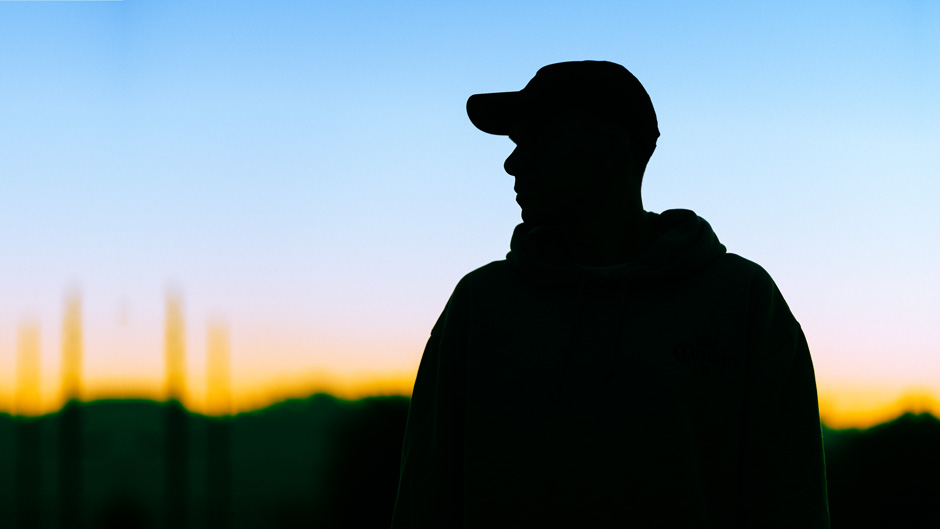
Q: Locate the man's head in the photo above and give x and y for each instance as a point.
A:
(581, 129)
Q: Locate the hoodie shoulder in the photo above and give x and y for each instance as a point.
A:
(486, 281)
(495, 272)
(764, 295)
(757, 277)
(735, 264)
(730, 268)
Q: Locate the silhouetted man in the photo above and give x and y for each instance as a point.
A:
(619, 368)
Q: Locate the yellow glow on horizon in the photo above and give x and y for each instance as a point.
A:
(218, 372)
(839, 408)
(250, 396)
(857, 406)
(28, 398)
(271, 367)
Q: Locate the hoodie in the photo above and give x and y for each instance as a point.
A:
(673, 390)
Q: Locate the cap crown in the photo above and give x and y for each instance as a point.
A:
(603, 89)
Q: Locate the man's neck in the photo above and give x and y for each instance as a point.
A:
(608, 237)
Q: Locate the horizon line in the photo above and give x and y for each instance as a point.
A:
(885, 419)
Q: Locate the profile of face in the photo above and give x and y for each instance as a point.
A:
(561, 164)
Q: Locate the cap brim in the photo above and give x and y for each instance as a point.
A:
(496, 113)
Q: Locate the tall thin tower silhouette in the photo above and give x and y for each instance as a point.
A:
(72, 348)
(177, 492)
(27, 438)
(70, 418)
(174, 347)
(218, 434)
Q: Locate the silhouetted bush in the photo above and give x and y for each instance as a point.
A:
(327, 462)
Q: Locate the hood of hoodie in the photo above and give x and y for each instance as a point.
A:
(684, 245)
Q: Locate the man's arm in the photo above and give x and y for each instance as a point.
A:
(783, 480)
(429, 487)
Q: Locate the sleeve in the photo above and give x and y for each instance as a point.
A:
(783, 460)
(430, 482)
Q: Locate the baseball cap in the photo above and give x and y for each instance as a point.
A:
(600, 88)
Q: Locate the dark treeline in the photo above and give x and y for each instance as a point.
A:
(327, 462)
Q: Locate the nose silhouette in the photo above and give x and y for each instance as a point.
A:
(511, 165)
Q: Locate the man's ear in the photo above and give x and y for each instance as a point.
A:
(620, 149)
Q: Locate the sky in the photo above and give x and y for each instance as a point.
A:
(304, 174)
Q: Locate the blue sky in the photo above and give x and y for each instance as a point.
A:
(307, 170)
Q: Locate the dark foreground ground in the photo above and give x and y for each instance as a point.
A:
(326, 462)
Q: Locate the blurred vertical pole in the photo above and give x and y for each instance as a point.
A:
(219, 440)
(177, 491)
(27, 408)
(70, 418)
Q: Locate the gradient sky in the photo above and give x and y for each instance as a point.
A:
(305, 172)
